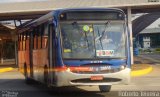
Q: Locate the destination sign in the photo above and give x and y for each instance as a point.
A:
(92, 15)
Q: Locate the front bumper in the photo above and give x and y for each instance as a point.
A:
(67, 78)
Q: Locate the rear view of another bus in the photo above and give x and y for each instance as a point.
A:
(94, 48)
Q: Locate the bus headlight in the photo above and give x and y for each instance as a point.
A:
(122, 67)
(68, 69)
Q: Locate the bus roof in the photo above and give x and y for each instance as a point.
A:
(88, 9)
(56, 13)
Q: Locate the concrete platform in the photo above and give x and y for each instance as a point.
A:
(140, 69)
(6, 69)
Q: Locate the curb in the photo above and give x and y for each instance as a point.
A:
(141, 72)
(5, 69)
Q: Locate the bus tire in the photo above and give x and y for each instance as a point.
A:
(104, 88)
(45, 74)
(27, 79)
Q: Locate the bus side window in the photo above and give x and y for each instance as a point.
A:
(38, 37)
(24, 42)
(19, 42)
(45, 37)
(27, 40)
(40, 31)
(35, 31)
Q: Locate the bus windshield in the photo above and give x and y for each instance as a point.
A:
(93, 40)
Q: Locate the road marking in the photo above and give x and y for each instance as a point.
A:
(5, 69)
(141, 72)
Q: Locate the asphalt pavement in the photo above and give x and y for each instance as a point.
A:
(148, 58)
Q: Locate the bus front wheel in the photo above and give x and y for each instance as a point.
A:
(104, 88)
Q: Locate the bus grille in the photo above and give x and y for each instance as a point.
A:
(114, 70)
(87, 80)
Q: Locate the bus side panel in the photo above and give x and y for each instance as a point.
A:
(43, 63)
(27, 59)
(40, 59)
(35, 67)
(21, 61)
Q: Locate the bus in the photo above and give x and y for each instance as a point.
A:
(76, 47)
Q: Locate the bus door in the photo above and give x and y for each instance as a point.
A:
(52, 52)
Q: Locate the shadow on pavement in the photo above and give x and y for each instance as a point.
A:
(141, 60)
(68, 91)
(19, 87)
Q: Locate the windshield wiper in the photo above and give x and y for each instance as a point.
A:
(86, 39)
(100, 36)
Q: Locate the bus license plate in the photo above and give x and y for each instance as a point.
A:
(96, 77)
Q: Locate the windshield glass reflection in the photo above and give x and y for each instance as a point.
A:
(93, 40)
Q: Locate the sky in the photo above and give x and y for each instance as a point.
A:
(8, 1)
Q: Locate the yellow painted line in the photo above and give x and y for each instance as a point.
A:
(141, 72)
(5, 69)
